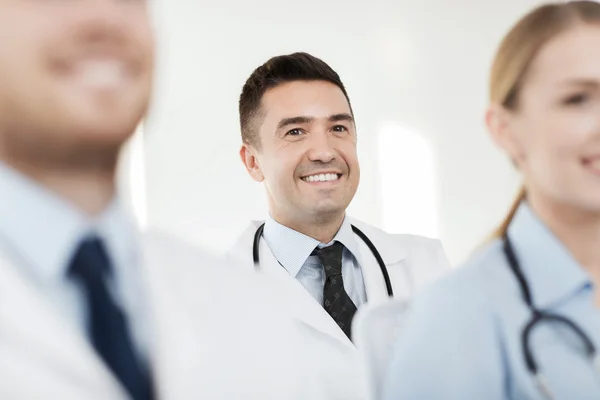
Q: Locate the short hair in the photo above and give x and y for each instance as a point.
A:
(276, 71)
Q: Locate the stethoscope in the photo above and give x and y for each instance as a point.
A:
(358, 232)
(537, 317)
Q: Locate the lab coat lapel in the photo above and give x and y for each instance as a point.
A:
(42, 339)
(393, 257)
(300, 303)
(299, 300)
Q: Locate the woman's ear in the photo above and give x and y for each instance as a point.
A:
(501, 124)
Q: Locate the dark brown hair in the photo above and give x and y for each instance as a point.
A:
(276, 71)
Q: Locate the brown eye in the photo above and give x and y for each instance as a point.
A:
(294, 132)
(339, 128)
(577, 99)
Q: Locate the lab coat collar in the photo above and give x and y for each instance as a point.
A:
(551, 271)
(385, 243)
(292, 248)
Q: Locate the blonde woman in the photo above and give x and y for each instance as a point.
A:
(521, 319)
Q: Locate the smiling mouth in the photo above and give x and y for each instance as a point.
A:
(329, 177)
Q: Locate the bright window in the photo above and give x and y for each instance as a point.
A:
(135, 177)
(408, 182)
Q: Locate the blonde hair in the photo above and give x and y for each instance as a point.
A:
(517, 51)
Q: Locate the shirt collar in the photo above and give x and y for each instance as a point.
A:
(551, 271)
(292, 248)
(43, 231)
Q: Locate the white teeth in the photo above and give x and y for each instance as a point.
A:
(321, 178)
(101, 74)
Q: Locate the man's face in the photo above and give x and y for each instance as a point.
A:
(307, 154)
(72, 74)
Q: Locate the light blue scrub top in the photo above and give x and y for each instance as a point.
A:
(463, 337)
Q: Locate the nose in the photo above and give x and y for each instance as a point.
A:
(101, 20)
(321, 148)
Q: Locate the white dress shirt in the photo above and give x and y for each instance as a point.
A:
(41, 232)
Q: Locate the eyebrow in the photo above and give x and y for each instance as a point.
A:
(341, 117)
(294, 121)
(590, 83)
(307, 120)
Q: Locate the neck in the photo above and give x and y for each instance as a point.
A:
(577, 229)
(322, 229)
(90, 187)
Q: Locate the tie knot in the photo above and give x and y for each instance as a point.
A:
(331, 258)
(90, 262)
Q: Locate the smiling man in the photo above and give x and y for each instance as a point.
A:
(299, 139)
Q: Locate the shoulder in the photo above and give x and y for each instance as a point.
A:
(414, 243)
(197, 270)
(157, 244)
(462, 303)
(469, 283)
(196, 266)
(422, 258)
(242, 246)
(451, 322)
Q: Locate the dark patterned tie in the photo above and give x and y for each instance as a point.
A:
(335, 299)
(108, 329)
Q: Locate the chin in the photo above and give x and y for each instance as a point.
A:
(114, 120)
(104, 128)
(579, 199)
(328, 209)
(590, 204)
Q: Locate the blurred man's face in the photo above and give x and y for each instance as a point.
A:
(74, 75)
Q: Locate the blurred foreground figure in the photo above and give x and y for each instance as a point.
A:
(521, 319)
(90, 308)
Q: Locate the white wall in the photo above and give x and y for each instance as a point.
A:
(418, 65)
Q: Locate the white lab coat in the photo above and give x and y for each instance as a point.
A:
(213, 337)
(412, 261)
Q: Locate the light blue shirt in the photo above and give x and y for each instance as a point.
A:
(41, 233)
(463, 334)
(292, 250)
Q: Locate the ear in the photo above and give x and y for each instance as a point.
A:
(501, 124)
(247, 154)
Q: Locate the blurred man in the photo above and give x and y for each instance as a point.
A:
(90, 309)
(299, 139)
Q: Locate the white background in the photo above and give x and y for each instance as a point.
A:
(416, 73)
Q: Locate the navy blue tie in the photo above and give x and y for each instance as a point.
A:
(108, 330)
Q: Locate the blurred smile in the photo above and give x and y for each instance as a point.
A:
(104, 73)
